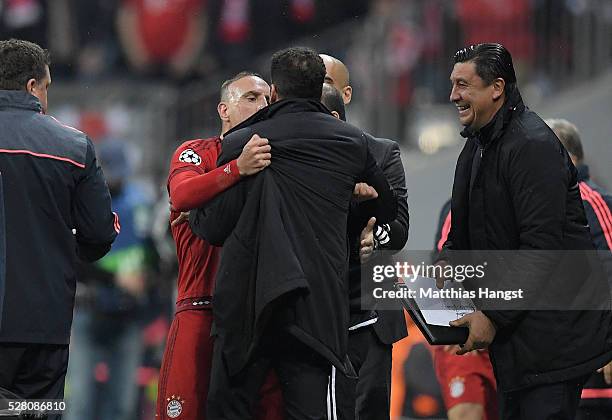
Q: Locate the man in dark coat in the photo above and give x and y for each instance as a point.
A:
(57, 207)
(515, 188)
(372, 332)
(281, 288)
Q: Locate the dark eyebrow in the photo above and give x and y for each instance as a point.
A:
(329, 79)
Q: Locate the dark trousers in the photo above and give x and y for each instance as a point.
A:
(368, 396)
(557, 401)
(34, 371)
(302, 373)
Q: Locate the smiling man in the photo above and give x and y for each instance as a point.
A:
(515, 189)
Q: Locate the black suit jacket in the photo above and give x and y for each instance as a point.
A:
(284, 231)
(391, 324)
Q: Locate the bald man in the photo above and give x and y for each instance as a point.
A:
(337, 75)
(372, 332)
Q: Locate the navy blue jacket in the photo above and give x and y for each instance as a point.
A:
(57, 207)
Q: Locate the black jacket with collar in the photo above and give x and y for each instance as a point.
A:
(284, 231)
(52, 184)
(515, 188)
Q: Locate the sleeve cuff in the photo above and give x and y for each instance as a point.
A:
(232, 169)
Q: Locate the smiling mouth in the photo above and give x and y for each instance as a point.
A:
(462, 108)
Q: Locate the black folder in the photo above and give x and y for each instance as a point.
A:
(435, 334)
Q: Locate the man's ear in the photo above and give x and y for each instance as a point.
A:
(31, 85)
(273, 94)
(347, 94)
(223, 111)
(335, 114)
(498, 88)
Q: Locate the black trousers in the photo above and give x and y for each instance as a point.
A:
(302, 373)
(557, 401)
(34, 371)
(368, 396)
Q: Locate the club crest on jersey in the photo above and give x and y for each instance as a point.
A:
(457, 386)
(175, 406)
(189, 156)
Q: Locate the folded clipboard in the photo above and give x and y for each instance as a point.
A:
(435, 334)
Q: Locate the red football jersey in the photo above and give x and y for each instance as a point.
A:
(194, 179)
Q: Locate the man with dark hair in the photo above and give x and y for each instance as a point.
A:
(280, 297)
(332, 99)
(194, 179)
(57, 208)
(371, 332)
(515, 189)
(297, 74)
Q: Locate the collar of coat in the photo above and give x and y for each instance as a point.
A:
(19, 99)
(284, 106)
(495, 128)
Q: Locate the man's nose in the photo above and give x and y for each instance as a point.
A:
(454, 96)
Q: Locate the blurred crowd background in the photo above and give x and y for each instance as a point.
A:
(141, 76)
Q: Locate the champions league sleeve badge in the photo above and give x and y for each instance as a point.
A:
(189, 156)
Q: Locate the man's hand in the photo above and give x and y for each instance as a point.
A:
(183, 217)
(607, 373)
(364, 192)
(482, 331)
(442, 278)
(255, 156)
(366, 244)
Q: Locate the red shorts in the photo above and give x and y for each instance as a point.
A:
(467, 379)
(185, 372)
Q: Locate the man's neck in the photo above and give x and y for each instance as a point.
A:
(224, 129)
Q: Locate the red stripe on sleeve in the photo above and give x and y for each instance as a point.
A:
(445, 231)
(602, 212)
(116, 224)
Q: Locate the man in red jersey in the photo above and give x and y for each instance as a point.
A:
(193, 180)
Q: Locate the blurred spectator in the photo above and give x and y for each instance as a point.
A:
(106, 342)
(505, 22)
(24, 19)
(96, 38)
(162, 37)
(389, 45)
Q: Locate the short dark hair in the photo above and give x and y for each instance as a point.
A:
(569, 136)
(242, 74)
(332, 99)
(21, 61)
(297, 72)
(491, 61)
